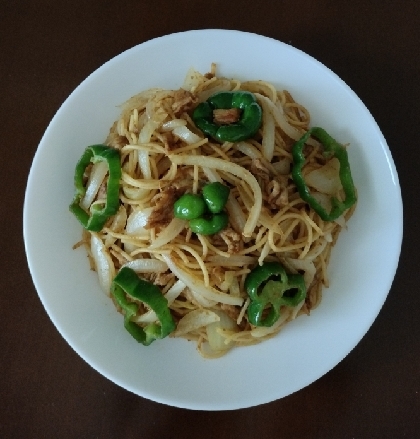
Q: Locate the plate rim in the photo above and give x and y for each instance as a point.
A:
(26, 230)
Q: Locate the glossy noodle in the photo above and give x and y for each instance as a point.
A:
(163, 156)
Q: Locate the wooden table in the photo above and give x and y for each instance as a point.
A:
(47, 48)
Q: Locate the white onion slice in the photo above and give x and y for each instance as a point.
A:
(341, 221)
(248, 149)
(174, 228)
(212, 175)
(96, 177)
(186, 135)
(103, 263)
(236, 215)
(147, 266)
(173, 123)
(323, 199)
(325, 179)
(202, 301)
(216, 341)
(144, 164)
(193, 78)
(280, 119)
(118, 224)
(137, 221)
(194, 320)
(177, 288)
(198, 287)
(150, 126)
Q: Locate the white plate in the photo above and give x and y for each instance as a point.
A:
(171, 371)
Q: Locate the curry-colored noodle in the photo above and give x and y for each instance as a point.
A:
(164, 155)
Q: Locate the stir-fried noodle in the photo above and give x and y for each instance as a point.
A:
(163, 156)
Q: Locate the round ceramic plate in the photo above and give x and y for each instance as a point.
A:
(171, 371)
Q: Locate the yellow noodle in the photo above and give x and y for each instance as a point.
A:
(262, 232)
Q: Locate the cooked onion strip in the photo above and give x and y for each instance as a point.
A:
(103, 263)
(163, 156)
(194, 320)
(280, 119)
(199, 287)
(175, 227)
(147, 266)
(96, 177)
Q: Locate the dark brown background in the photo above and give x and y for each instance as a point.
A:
(47, 48)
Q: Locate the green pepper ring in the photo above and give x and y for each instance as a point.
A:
(264, 291)
(245, 128)
(331, 149)
(126, 282)
(99, 216)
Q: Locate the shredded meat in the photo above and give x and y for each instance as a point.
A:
(226, 116)
(232, 240)
(182, 183)
(183, 101)
(219, 274)
(231, 310)
(277, 195)
(102, 191)
(168, 140)
(162, 279)
(259, 170)
(87, 172)
(162, 213)
(114, 139)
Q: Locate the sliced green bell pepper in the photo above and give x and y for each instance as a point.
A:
(245, 128)
(127, 283)
(98, 215)
(269, 287)
(331, 149)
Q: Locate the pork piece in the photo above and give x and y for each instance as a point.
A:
(162, 213)
(278, 195)
(226, 116)
(259, 170)
(219, 274)
(102, 191)
(232, 239)
(162, 279)
(114, 139)
(168, 140)
(231, 310)
(183, 101)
